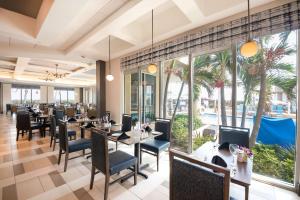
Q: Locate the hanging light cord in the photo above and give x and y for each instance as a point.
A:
(152, 40)
(109, 55)
(249, 29)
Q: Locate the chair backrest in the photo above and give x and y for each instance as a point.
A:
(8, 107)
(53, 126)
(126, 123)
(91, 113)
(100, 155)
(23, 120)
(63, 135)
(14, 108)
(70, 112)
(234, 135)
(59, 115)
(193, 179)
(164, 126)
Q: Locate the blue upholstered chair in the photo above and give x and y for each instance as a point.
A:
(160, 142)
(109, 163)
(126, 126)
(234, 135)
(193, 179)
(55, 133)
(59, 115)
(67, 146)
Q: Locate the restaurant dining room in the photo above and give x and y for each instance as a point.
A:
(149, 99)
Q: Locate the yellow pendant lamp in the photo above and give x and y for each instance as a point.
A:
(152, 68)
(109, 77)
(251, 47)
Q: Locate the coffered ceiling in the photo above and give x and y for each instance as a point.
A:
(35, 35)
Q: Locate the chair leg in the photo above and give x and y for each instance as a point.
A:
(116, 145)
(30, 135)
(18, 131)
(135, 174)
(51, 140)
(106, 186)
(54, 144)
(157, 157)
(83, 152)
(59, 156)
(66, 161)
(92, 177)
(141, 155)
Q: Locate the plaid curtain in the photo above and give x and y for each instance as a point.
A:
(275, 20)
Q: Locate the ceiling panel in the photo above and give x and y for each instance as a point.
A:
(29, 8)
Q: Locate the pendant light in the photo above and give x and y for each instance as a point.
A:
(152, 68)
(251, 47)
(109, 77)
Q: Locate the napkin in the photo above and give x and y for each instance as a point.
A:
(218, 161)
(224, 146)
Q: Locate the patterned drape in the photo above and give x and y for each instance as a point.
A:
(275, 20)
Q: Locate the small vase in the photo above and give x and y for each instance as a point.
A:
(242, 156)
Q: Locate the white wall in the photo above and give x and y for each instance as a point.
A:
(114, 91)
(6, 95)
(51, 94)
(77, 94)
(44, 94)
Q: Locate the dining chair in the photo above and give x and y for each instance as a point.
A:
(8, 108)
(24, 124)
(234, 135)
(193, 179)
(109, 163)
(159, 143)
(91, 113)
(59, 115)
(67, 147)
(55, 133)
(126, 126)
(70, 112)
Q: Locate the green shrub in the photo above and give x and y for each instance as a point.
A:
(274, 161)
(199, 141)
(180, 130)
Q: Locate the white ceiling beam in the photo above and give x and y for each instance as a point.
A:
(14, 25)
(130, 12)
(127, 38)
(40, 68)
(55, 17)
(4, 62)
(37, 52)
(20, 66)
(190, 9)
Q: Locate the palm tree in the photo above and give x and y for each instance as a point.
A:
(268, 62)
(203, 78)
(222, 62)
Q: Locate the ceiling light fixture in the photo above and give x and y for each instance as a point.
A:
(109, 76)
(251, 47)
(50, 76)
(152, 68)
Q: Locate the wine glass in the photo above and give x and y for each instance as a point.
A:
(233, 148)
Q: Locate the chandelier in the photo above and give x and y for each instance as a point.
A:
(50, 76)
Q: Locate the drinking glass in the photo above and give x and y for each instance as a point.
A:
(233, 148)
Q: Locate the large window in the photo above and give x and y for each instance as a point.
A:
(64, 95)
(265, 101)
(228, 89)
(25, 94)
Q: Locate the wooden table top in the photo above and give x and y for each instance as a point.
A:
(244, 170)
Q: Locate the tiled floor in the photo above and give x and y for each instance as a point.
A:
(29, 170)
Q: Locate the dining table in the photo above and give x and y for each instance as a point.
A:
(135, 137)
(242, 173)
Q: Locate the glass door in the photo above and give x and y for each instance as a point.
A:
(149, 96)
(131, 92)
